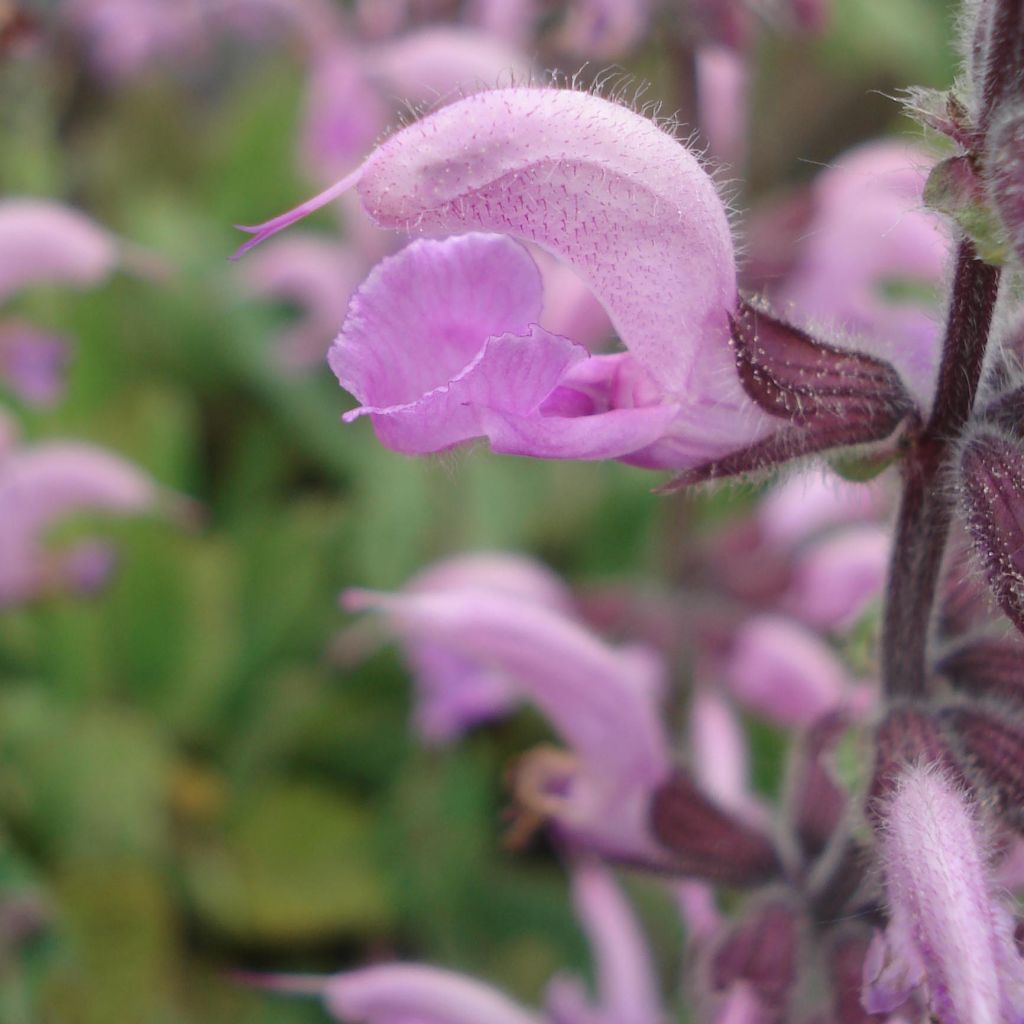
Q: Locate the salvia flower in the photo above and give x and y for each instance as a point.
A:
(875, 259)
(602, 701)
(42, 484)
(784, 671)
(606, 190)
(455, 691)
(315, 274)
(950, 936)
(44, 242)
(396, 993)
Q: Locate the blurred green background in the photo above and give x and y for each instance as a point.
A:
(188, 785)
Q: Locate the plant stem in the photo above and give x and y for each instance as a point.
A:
(926, 504)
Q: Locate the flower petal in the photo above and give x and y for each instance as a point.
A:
(785, 672)
(590, 694)
(836, 578)
(620, 200)
(424, 314)
(43, 241)
(625, 976)
(406, 993)
(39, 485)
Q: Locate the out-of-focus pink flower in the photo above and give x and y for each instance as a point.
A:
(875, 259)
(722, 79)
(32, 362)
(317, 275)
(44, 483)
(124, 37)
(626, 206)
(604, 29)
(783, 671)
(950, 937)
(402, 993)
(455, 691)
(718, 755)
(602, 701)
(354, 93)
(835, 579)
(43, 241)
(627, 990)
(837, 551)
(510, 20)
(808, 504)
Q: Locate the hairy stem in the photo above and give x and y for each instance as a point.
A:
(926, 504)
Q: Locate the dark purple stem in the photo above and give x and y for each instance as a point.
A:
(1005, 43)
(926, 505)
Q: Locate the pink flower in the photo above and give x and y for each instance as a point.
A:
(45, 483)
(786, 673)
(401, 993)
(622, 203)
(42, 241)
(32, 362)
(950, 937)
(317, 275)
(875, 260)
(354, 92)
(494, 628)
(455, 691)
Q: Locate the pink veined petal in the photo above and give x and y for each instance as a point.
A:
(423, 316)
(441, 345)
(785, 672)
(949, 923)
(507, 381)
(835, 579)
(625, 977)
(621, 201)
(43, 241)
(415, 994)
(582, 685)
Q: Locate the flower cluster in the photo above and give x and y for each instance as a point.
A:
(873, 891)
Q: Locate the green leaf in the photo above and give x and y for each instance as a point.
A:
(294, 863)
